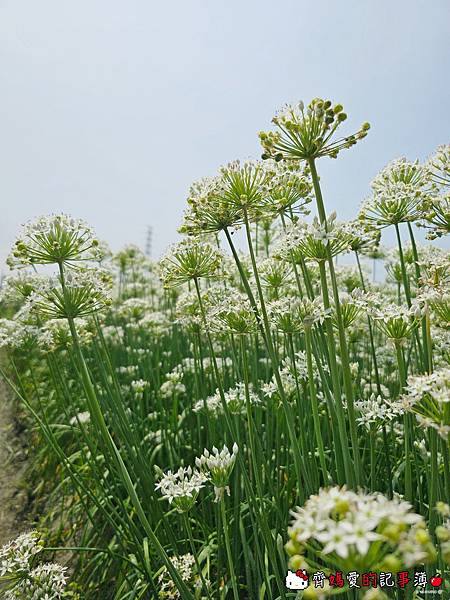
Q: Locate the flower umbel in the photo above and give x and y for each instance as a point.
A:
(218, 464)
(80, 293)
(54, 240)
(347, 527)
(182, 487)
(307, 133)
(190, 260)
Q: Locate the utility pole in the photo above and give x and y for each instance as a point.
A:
(148, 244)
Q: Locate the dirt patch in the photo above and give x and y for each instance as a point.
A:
(13, 496)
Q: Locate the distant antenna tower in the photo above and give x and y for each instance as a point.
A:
(148, 243)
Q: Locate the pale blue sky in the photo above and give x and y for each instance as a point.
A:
(110, 109)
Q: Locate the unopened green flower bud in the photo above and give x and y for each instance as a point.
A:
(310, 593)
(293, 547)
(431, 554)
(391, 563)
(375, 594)
(341, 117)
(442, 533)
(442, 507)
(422, 536)
(298, 562)
(342, 506)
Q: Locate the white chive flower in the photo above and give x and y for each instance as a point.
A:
(347, 528)
(54, 239)
(16, 556)
(182, 487)
(218, 465)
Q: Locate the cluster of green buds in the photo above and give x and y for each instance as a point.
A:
(245, 185)
(208, 209)
(439, 166)
(428, 396)
(441, 308)
(351, 308)
(234, 314)
(307, 132)
(400, 191)
(274, 274)
(289, 190)
(365, 240)
(130, 257)
(19, 286)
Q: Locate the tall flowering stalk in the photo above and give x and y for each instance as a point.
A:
(308, 134)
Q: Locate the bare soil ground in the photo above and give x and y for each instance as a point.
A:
(13, 495)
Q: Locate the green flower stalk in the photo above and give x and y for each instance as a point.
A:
(218, 466)
(308, 135)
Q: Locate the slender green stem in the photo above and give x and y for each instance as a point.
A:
(427, 351)
(348, 386)
(348, 468)
(406, 424)
(372, 441)
(434, 476)
(403, 266)
(315, 406)
(228, 549)
(187, 526)
(250, 422)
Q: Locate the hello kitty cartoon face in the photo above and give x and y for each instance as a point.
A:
(297, 580)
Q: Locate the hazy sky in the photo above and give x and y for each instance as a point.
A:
(110, 109)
